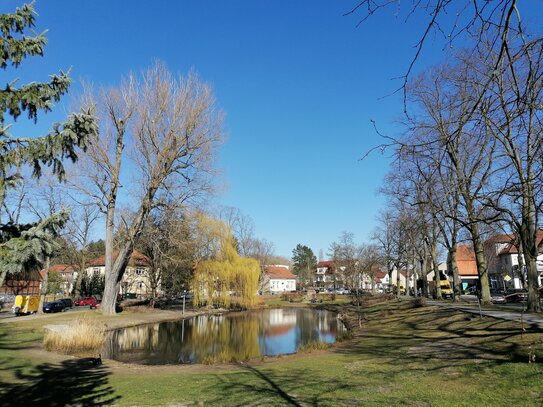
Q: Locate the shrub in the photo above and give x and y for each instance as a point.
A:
(292, 297)
(313, 346)
(418, 302)
(79, 336)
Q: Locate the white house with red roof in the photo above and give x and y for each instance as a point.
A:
(68, 276)
(278, 279)
(504, 267)
(136, 279)
(382, 281)
(327, 275)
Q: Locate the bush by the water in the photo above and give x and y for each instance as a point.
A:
(81, 335)
(292, 297)
(312, 346)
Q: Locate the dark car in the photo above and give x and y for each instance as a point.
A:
(68, 303)
(55, 306)
(518, 295)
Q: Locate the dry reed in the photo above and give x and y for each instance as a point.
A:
(80, 335)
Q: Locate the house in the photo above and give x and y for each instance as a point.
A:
(278, 279)
(68, 277)
(382, 281)
(327, 275)
(504, 261)
(467, 266)
(408, 278)
(30, 282)
(137, 279)
(26, 282)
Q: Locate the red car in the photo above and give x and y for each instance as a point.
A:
(86, 301)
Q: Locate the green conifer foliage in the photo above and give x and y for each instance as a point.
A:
(24, 247)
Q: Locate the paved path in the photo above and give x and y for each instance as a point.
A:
(510, 315)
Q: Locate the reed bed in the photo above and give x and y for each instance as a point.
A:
(80, 335)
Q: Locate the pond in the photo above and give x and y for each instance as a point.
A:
(223, 338)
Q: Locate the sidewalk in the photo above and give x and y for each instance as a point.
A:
(509, 315)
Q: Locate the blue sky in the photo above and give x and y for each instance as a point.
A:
(298, 81)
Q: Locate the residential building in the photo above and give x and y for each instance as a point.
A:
(68, 277)
(504, 262)
(327, 275)
(382, 281)
(278, 279)
(136, 281)
(467, 266)
(408, 278)
(26, 282)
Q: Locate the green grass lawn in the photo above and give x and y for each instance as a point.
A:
(398, 356)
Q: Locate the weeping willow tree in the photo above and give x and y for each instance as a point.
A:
(221, 272)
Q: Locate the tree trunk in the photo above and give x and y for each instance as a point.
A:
(398, 282)
(482, 269)
(435, 266)
(520, 271)
(530, 252)
(456, 277)
(437, 280)
(3, 277)
(43, 291)
(110, 282)
(533, 291)
(424, 274)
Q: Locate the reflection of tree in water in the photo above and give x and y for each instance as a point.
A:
(221, 338)
(307, 327)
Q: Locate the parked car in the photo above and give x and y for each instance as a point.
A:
(55, 306)
(68, 303)
(95, 304)
(497, 297)
(518, 295)
(85, 301)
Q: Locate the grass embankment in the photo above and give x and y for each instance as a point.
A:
(398, 355)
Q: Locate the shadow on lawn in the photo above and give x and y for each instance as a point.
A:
(298, 387)
(445, 336)
(73, 382)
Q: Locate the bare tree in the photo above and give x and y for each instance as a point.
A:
(242, 227)
(513, 114)
(169, 129)
(474, 21)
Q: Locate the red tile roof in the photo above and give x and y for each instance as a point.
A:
(279, 272)
(510, 248)
(465, 260)
(379, 275)
(63, 268)
(329, 264)
(137, 259)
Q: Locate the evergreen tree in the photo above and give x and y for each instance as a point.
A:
(26, 246)
(304, 262)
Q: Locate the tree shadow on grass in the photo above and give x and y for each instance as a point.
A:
(445, 336)
(298, 387)
(72, 382)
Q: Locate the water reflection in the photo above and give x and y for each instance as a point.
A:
(223, 338)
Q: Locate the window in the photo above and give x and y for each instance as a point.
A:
(140, 271)
(96, 270)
